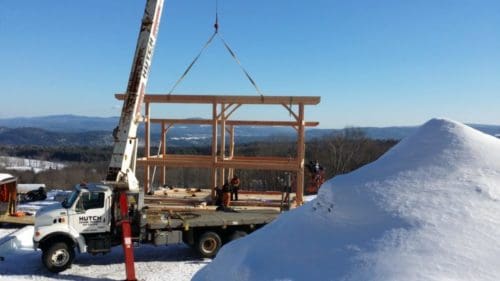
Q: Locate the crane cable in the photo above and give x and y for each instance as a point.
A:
(231, 52)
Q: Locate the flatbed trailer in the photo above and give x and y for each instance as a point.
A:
(197, 218)
(204, 230)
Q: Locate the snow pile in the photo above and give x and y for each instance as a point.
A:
(426, 210)
(16, 240)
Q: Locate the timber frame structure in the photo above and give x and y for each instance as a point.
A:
(222, 162)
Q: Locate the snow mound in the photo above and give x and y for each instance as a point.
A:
(428, 209)
(19, 239)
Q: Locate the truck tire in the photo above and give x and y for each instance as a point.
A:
(209, 244)
(237, 234)
(58, 257)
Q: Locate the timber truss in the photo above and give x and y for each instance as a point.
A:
(222, 162)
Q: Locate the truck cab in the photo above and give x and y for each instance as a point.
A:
(82, 221)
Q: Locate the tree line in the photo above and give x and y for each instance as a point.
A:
(337, 153)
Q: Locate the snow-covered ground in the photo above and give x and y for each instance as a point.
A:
(23, 164)
(428, 209)
(21, 262)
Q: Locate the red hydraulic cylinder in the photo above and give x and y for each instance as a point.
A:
(128, 248)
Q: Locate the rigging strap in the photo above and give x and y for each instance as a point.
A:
(231, 52)
(192, 63)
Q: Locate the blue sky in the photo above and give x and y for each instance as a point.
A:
(374, 63)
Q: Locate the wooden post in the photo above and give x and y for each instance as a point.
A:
(163, 171)
(147, 174)
(231, 150)
(300, 156)
(222, 142)
(214, 150)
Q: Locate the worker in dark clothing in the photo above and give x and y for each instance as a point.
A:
(235, 186)
(226, 195)
(218, 196)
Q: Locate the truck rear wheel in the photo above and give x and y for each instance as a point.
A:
(209, 244)
(58, 257)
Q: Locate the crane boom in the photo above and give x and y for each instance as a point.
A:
(121, 169)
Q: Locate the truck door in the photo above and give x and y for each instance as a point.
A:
(91, 212)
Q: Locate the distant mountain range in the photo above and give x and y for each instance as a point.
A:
(59, 130)
(62, 123)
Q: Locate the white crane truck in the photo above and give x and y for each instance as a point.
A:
(87, 222)
(97, 217)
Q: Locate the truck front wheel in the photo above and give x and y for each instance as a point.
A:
(58, 257)
(209, 244)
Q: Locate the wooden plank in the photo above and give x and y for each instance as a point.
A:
(255, 203)
(168, 200)
(17, 220)
(241, 99)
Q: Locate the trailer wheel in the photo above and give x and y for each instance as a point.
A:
(237, 234)
(58, 257)
(209, 244)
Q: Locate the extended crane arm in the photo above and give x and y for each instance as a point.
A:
(121, 169)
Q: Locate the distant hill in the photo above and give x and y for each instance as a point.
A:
(62, 123)
(93, 131)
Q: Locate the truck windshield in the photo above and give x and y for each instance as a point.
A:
(68, 202)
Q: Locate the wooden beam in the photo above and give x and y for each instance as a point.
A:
(238, 162)
(183, 121)
(240, 99)
(224, 108)
(290, 110)
(233, 110)
(269, 123)
(233, 122)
